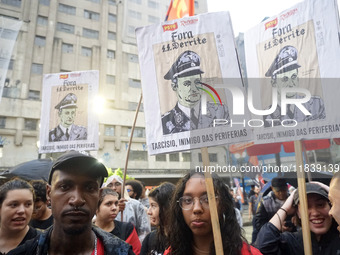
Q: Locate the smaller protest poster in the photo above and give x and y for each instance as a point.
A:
(68, 121)
(190, 73)
(9, 29)
(293, 64)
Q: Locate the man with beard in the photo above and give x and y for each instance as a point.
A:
(73, 190)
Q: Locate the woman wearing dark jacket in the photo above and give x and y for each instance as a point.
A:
(16, 208)
(325, 238)
(156, 242)
(105, 219)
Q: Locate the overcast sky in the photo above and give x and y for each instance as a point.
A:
(246, 14)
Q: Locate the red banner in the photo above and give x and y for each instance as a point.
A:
(180, 8)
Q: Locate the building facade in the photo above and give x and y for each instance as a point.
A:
(63, 36)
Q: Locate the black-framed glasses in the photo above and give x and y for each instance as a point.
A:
(187, 202)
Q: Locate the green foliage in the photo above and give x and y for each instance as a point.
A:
(118, 172)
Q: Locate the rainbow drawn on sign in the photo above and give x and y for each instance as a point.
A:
(209, 93)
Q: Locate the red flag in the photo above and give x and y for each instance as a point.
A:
(179, 9)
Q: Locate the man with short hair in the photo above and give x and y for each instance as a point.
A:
(74, 189)
(67, 130)
(284, 74)
(42, 217)
(271, 203)
(186, 81)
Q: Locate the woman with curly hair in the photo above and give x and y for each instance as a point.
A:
(156, 242)
(191, 228)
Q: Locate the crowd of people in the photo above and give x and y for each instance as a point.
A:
(76, 212)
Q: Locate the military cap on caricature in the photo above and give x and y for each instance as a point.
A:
(67, 130)
(285, 61)
(69, 101)
(187, 64)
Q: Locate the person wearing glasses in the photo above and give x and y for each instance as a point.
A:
(42, 215)
(16, 208)
(156, 242)
(133, 211)
(191, 228)
(134, 189)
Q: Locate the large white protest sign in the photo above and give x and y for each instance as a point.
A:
(68, 120)
(293, 64)
(188, 68)
(9, 29)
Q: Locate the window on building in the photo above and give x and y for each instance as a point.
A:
(2, 122)
(133, 58)
(138, 132)
(133, 106)
(42, 20)
(110, 79)
(67, 9)
(112, 2)
(161, 157)
(87, 52)
(94, 1)
(67, 48)
(37, 69)
(153, 4)
(40, 41)
(174, 157)
(109, 130)
(196, 5)
(136, 1)
(134, 83)
(111, 54)
(91, 15)
(89, 33)
(111, 35)
(65, 28)
(153, 19)
(186, 156)
(44, 2)
(30, 124)
(135, 14)
(112, 18)
(131, 30)
(138, 155)
(34, 95)
(212, 157)
(16, 3)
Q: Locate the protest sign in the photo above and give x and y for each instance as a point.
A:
(187, 68)
(293, 64)
(68, 121)
(9, 29)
